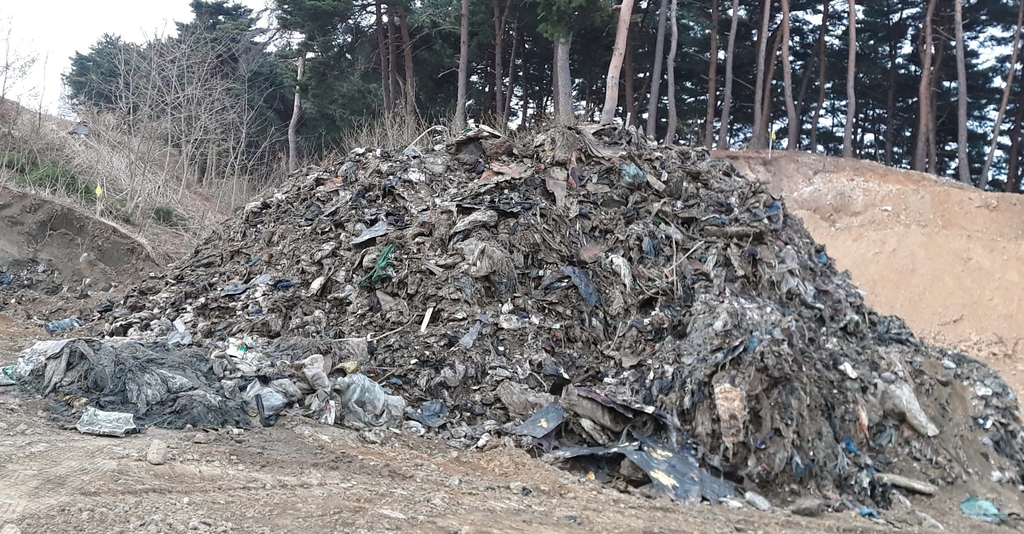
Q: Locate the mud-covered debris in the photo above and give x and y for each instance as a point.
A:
(757, 501)
(907, 483)
(62, 326)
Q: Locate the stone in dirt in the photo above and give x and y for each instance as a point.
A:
(157, 454)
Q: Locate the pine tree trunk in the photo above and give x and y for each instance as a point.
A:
(758, 140)
(963, 165)
(766, 100)
(924, 90)
(805, 82)
(516, 45)
(659, 54)
(723, 126)
(821, 75)
(709, 121)
(396, 84)
(385, 74)
(611, 88)
(933, 127)
(792, 124)
(890, 97)
(851, 74)
(1006, 98)
(670, 64)
(293, 124)
(500, 20)
(627, 71)
(1013, 172)
(460, 103)
(563, 95)
(410, 80)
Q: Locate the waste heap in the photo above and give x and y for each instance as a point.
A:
(625, 300)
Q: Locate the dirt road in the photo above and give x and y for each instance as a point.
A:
(302, 477)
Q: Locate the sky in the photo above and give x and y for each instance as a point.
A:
(53, 30)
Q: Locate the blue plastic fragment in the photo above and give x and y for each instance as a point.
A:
(632, 175)
(868, 512)
(849, 446)
(823, 258)
(982, 510)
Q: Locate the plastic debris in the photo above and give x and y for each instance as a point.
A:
(8, 376)
(363, 401)
(431, 413)
(102, 423)
(62, 326)
(982, 510)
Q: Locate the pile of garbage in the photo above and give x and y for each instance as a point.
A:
(640, 312)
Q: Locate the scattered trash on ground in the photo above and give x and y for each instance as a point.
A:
(642, 315)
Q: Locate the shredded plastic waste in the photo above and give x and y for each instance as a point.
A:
(584, 294)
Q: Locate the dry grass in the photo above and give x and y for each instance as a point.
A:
(144, 183)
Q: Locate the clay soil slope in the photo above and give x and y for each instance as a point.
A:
(947, 258)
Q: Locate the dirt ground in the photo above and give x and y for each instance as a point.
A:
(302, 477)
(947, 258)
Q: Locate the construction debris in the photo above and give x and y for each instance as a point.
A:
(642, 314)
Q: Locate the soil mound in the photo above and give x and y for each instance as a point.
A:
(945, 257)
(646, 313)
(50, 248)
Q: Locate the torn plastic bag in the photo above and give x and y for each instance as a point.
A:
(364, 401)
(102, 423)
(269, 401)
(372, 232)
(7, 376)
(582, 281)
(983, 510)
(36, 355)
(544, 422)
(432, 413)
(676, 473)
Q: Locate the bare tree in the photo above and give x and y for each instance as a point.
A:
(460, 103)
(709, 121)
(758, 140)
(670, 132)
(611, 88)
(792, 123)
(659, 54)
(1006, 97)
(963, 165)
(500, 23)
(851, 73)
(723, 127)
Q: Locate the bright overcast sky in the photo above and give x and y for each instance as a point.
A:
(55, 29)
